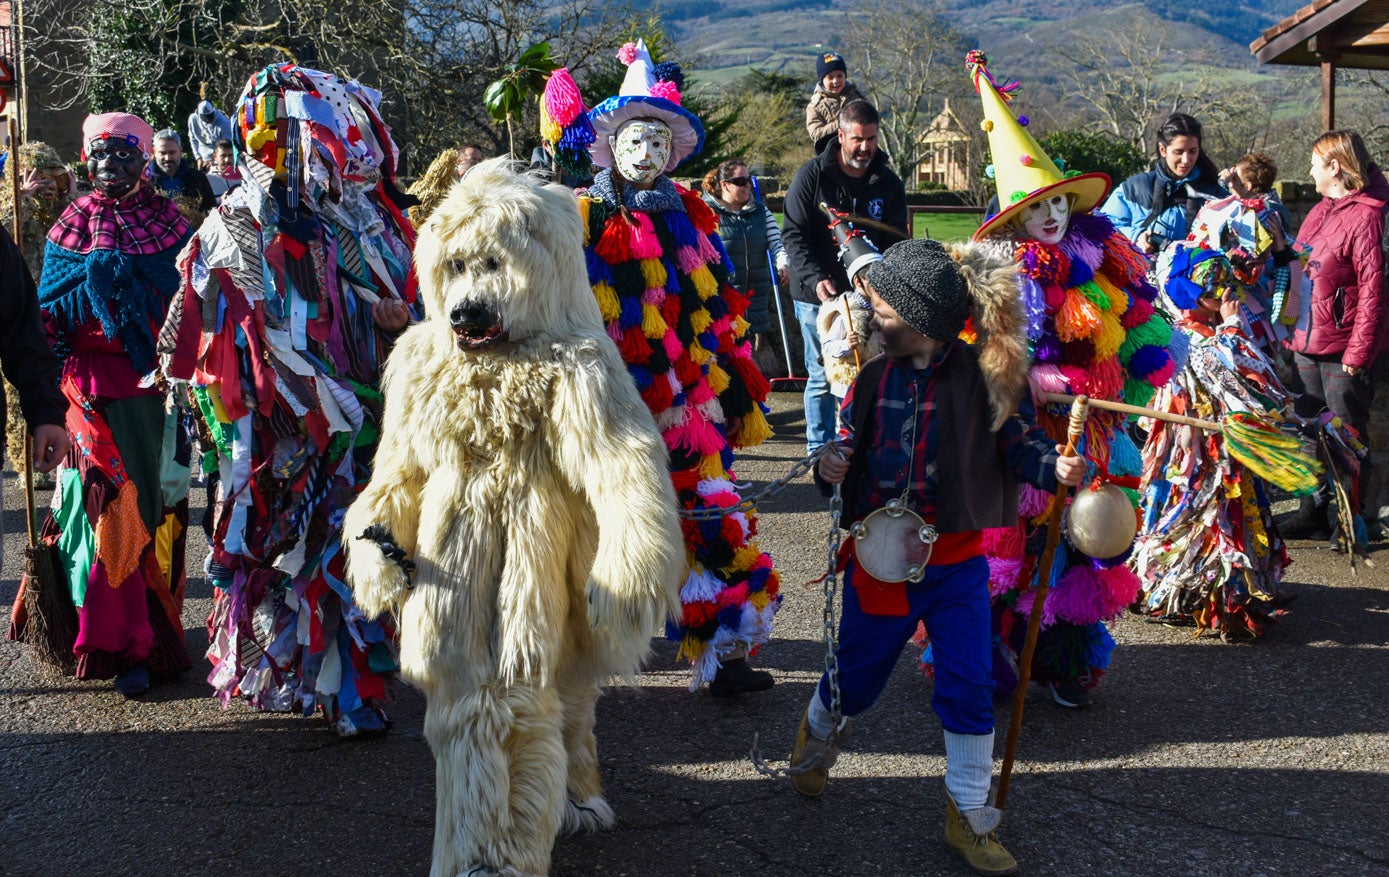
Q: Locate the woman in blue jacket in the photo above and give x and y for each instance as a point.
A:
(1157, 206)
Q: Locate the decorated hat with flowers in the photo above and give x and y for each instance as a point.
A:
(1022, 170)
(649, 91)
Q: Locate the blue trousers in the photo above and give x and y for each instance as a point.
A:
(820, 404)
(953, 600)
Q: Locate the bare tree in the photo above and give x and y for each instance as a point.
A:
(906, 57)
(431, 59)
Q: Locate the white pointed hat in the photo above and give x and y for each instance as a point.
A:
(648, 91)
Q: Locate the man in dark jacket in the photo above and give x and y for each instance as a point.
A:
(174, 176)
(851, 175)
(28, 362)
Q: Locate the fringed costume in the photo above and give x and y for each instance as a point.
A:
(1209, 550)
(660, 274)
(275, 333)
(121, 511)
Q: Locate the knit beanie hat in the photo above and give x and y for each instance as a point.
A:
(828, 63)
(924, 285)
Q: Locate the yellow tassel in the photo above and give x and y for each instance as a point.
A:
(704, 282)
(756, 429)
(653, 325)
(584, 205)
(691, 648)
(699, 354)
(718, 379)
(740, 327)
(700, 320)
(1109, 338)
(711, 468)
(744, 558)
(607, 301)
(1118, 300)
(759, 600)
(549, 128)
(1078, 317)
(653, 273)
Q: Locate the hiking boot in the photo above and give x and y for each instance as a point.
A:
(1070, 693)
(972, 835)
(736, 677)
(811, 783)
(1308, 522)
(133, 682)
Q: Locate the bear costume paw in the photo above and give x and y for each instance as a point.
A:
(377, 581)
(587, 816)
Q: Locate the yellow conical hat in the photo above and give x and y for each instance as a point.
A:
(1023, 172)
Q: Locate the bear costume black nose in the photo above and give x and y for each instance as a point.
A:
(466, 315)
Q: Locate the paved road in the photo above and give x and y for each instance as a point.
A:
(1197, 758)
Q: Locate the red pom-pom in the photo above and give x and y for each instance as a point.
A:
(614, 245)
(700, 213)
(658, 397)
(634, 347)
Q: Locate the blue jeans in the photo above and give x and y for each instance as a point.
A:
(953, 600)
(820, 403)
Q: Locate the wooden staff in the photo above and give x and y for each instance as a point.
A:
(1209, 425)
(849, 321)
(1076, 428)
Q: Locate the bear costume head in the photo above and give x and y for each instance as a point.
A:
(499, 238)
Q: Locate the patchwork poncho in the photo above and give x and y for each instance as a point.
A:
(659, 272)
(274, 331)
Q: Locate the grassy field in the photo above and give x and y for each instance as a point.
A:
(941, 226)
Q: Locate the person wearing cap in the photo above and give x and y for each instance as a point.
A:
(942, 428)
(171, 174)
(833, 92)
(661, 276)
(851, 175)
(207, 125)
(1093, 331)
(122, 513)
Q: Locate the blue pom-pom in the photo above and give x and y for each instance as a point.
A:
(1023, 120)
(1048, 348)
(1081, 273)
(641, 375)
(1147, 359)
(1124, 457)
(631, 311)
(669, 71)
(731, 617)
(1100, 648)
(682, 229)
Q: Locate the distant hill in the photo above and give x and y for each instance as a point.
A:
(730, 36)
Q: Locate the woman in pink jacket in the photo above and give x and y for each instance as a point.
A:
(1335, 346)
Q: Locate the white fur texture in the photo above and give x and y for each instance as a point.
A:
(528, 483)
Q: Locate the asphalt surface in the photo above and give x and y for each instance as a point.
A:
(1197, 757)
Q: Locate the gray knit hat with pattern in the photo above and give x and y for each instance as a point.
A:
(924, 285)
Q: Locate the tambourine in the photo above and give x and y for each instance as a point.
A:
(893, 544)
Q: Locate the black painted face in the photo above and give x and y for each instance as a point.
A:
(115, 166)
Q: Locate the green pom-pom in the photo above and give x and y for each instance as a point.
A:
(1138, 393)
(1155, 332)
(1017, 196)
(1069, 174)
(1091, 290)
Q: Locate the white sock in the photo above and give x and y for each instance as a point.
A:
(969, 767)
(818, 717)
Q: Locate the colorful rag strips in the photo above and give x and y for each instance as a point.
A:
(1209, 550)
(274, 332)
(661, 280)
(1094, 331)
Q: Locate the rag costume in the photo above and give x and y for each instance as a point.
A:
(273, 332)
(1209, 549)
(660, 274)
(121, 515)
(945, 441)
(1093, 331)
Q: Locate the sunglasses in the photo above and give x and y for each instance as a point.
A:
(739, 181)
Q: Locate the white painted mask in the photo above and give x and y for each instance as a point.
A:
(1046, 220)
(640, 150)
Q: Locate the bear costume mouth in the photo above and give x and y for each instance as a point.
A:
(475, 337)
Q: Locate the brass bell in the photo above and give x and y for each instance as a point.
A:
(1101, 522)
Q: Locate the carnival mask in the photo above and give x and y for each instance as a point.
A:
(114, 165)
(640, 150)
(1046, 220)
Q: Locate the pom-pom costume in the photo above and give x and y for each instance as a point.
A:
(122, 513)
(1093, 331)
(275, 334)
(660, 274)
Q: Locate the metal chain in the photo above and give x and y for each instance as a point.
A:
(831, 629)
(750, 503)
